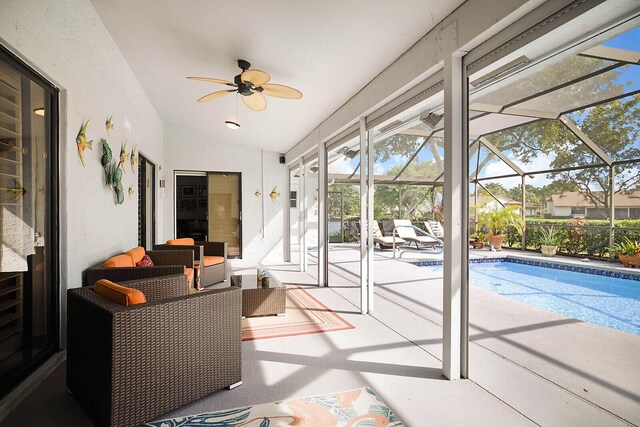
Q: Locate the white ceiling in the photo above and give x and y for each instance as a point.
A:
(327, 49)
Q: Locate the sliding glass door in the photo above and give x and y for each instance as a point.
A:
(28, 221)
(225, 210)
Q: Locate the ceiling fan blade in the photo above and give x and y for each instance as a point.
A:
(215, 95)
(281, 91)
(211, 80)
(255, 102)
(257, 77)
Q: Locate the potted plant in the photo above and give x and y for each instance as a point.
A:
(549, 241)
(628, 252)
(478, 240)
(497, 221)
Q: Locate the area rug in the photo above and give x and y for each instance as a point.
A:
(304, 315)
(353, 408)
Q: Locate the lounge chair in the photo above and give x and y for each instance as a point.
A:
(405, 230)
(385, 242)
(210, 259)
(434, 228)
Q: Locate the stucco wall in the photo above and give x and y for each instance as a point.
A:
(66, 41)
(186, 150)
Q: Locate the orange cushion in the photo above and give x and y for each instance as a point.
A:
(120, 294)
(189, 273)
(186, 241)
(121, 260)
(136, 254)
(213, 260)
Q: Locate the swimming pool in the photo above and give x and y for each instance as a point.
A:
(613, 302)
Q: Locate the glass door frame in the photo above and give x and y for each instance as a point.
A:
(239, 175)
(53, 131)
(183, 172)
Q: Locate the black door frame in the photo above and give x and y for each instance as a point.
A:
(142, 224)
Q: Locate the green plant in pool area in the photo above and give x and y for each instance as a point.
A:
(480, 236)
(549, 237)
(498, 220)
(627, 247)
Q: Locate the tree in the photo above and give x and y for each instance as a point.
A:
(407, 201)
(404, 146)
(349, 195)
(614, 126)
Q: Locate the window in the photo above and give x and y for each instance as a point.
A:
(622, 213)
(293, 199)
(28, 207)
(597, 213)
(634, 213)
(577, 211)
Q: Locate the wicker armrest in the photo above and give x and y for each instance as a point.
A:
(160, 288)
(172, 257)
(214, 248)
(119, 274)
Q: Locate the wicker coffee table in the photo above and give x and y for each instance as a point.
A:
(260, 301)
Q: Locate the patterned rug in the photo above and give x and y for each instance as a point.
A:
(353, 408)
(304, 315)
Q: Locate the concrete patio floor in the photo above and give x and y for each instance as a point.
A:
(553, 369)
(528, 366)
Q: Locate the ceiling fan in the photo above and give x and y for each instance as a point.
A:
(252, 85)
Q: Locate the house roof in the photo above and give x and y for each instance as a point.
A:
(485, 199)
(577, 199)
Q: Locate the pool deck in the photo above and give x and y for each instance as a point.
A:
(414, 255)
(553, 369)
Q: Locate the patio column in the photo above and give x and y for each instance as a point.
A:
(323, 220)
(370, 219)
(302, 245)
(524, 213)
(456, 189)
(612, 208)
(364, 196)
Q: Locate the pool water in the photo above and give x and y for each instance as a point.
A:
(602, 300)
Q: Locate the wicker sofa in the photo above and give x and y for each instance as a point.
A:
(165, 263)
(210, 258)
(131, 364)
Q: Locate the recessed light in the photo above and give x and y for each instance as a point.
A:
(232, 125)
(39, 112)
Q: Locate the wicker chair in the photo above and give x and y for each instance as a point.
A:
(207, 274)
(131, 364)
(166, 263)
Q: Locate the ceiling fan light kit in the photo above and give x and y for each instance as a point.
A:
(232, 125)
(252, 85)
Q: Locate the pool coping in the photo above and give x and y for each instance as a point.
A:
(556, 265)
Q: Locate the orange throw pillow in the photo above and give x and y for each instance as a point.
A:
(185, 241)
(121, 260)
(136, 254)
(120, 294)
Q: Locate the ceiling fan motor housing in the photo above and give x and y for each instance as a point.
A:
(246, 88)
(243, 88)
